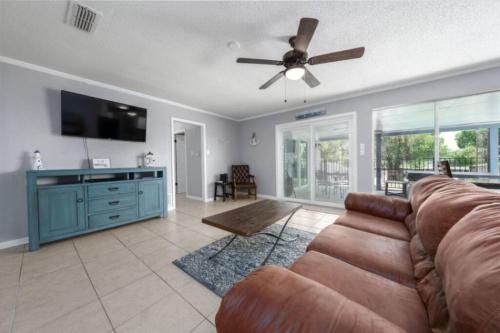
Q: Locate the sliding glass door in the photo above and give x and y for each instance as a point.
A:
(410, 140)
(314, 160)
(296, 151)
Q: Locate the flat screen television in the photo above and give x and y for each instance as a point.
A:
(92, 117)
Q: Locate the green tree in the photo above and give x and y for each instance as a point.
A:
(467, 138)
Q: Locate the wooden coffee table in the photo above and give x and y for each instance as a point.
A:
(250, 220)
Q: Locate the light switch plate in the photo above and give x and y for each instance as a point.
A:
(362, 149)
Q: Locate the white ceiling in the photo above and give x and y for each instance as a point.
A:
(178, 50)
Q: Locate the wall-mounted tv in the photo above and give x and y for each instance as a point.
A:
(92, 117)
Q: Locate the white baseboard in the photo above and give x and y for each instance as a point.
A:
(266, 196)
(194, 197)
(14, 242)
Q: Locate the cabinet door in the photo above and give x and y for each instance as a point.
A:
(150, 197)
(61, 211)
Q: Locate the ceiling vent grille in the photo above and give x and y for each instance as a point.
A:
(82, 17)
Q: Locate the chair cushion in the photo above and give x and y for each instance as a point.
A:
(468, 263)
(374, 224)
(382, 255)
(240, 173)
(248, 184)
(397, 303)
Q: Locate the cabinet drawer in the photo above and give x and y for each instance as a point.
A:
(117, 216)
(112, 202)
(110, 189)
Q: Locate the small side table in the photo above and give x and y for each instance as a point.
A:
(223, 186)
(396, 188)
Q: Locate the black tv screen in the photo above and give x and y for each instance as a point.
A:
(92, 117)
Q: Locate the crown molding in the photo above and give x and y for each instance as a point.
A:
(64, 75)
(386, 87)
(359, 93)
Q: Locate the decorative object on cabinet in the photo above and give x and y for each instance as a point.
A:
(101, 163)
(37, 163)
(149, 160)
(67, 203)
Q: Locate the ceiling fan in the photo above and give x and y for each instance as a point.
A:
(296, 59)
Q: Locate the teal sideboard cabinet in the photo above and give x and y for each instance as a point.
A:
(66, 203)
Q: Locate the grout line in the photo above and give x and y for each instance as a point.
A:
(93, 287)
(18, 292)
(164, 281)
(64, 313)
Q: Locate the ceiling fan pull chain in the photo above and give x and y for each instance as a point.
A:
(285, 90)
(305, 94)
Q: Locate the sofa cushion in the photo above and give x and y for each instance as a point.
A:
(468, 263)
(427, 186)
(273, 299)
(393, 208)
(382, 255)
(445, 208)
(374, 224)
(397, 303)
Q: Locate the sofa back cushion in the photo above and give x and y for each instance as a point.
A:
(445, 207)
(427, 186)
(420, 192)
(468, 264)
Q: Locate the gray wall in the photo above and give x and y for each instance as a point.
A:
(30, 119)
(262, 157)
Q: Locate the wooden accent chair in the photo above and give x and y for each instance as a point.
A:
(444, 168)
(242, 179)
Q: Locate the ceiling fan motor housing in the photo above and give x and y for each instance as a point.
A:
(294, 58)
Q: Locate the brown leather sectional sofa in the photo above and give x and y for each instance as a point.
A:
(431, 264)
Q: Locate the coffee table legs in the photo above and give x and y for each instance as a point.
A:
(278, 238)
(223, 248)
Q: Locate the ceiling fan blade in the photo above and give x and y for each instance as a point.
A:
(259, 61)
(337, 56)
(273, 79)
(307, 27)
(310, 79)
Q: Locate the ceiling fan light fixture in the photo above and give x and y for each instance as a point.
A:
(295, 72)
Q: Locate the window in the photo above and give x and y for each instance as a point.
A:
(409, 140)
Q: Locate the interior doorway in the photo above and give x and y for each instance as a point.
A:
(188, 161)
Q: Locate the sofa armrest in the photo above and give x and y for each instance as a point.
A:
(378, 205)
(274, 299)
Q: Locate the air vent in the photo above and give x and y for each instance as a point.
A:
(82, 17)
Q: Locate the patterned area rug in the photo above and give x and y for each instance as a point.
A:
(242, 257)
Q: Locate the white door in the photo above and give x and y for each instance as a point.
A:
(180, 163)
(316, 160)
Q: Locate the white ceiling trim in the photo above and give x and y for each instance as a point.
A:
(64, 75)
(386, 87)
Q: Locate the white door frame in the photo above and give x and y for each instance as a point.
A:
(353, 153)
(203, 156)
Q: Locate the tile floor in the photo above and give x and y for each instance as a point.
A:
(121, 280)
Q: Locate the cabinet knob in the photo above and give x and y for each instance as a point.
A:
(114, 217)
(140, 192)
(80, 200)
(113, 203)
(113, 189)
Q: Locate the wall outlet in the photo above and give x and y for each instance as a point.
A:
(362, 149)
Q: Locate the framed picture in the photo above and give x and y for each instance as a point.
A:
(101, 163)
